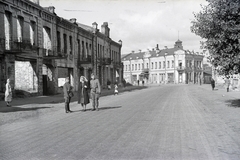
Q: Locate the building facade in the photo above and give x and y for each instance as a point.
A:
(169, 65)
(38, 49)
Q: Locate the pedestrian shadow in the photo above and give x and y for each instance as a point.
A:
(105, 108)
(100, 108)
(17, 109)
(233, 103)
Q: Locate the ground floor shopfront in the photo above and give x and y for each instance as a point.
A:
(164, 77)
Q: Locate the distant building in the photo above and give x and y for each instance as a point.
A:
(169, 65)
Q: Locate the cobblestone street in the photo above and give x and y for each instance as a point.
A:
(185, 122)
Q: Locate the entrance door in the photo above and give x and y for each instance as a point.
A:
(44, 77)
(180, 78)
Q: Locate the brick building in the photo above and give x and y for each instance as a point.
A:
(38, 49)
(168, 65)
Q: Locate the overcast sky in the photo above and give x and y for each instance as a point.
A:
(140, 24)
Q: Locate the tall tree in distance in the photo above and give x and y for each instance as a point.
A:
(219, 24)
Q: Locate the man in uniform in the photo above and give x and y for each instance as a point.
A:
(66, 89)
(95, 92)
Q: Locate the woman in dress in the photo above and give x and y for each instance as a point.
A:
(8, 93)
(83, 97)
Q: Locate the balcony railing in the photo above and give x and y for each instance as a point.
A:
(180, 68)
(86, 60)
(17, 46)
(106, 61)
(47, 52)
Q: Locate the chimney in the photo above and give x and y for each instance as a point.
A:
(51, 9)
(73, 20)
(132, 52)
(120, 42)
(166, 47)
(140, 50)
(104, 29)
(94, 26)
(157, 47)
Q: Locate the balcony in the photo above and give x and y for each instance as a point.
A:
(117, 64)
(145, 70)
(106, 61)
(51, 54)
(47, 52)
(180, 68)
(86, 60)
(14, 46)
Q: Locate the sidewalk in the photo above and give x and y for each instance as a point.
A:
(222, 91)
(59, 97)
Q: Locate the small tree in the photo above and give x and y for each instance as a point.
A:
(219, 24)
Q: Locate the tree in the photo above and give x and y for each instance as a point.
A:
(219, 24)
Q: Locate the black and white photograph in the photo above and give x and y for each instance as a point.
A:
(119, 79)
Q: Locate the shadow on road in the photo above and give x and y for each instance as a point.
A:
(100, 108)
(17, 109)
(104, 108)
(233, 103)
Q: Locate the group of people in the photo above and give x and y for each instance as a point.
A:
(83, 96)
(227, 82)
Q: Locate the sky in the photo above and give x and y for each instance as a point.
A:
(140, 24)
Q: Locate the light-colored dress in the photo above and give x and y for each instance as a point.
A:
(8, 93)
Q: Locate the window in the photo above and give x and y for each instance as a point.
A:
(8, 29)
(132, 67)
(152, 65)
(138, 66)
(164, 64)
(155, 65)
(142, 65)
(172, 63)
(135, 66)
(58, 42)
(32, 32)
(65, 43)
(159, 65)
(83, 49)
(20, 29)
(129, 67)
(79, 48)
(47, 44)
(71, 46)
(147, 65)
(168, 64)
(87, 49)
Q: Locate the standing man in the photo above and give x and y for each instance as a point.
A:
(67, 88)
(228, 82)
(95, 92)
(212, 83)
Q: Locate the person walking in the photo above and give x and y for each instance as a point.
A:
(228, 82)
(115, 89)
(212, 83)
(83, 97)
(109, 84)
(8, 93)
(68, 94)
(95, 92)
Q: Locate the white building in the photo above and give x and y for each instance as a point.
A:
(169, 65)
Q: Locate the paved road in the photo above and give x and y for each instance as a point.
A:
(185, 122)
